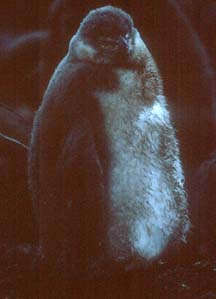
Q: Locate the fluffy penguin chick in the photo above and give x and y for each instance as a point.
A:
(104, 165)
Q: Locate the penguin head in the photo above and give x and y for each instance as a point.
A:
(107, 33)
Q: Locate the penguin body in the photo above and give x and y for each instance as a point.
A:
(104, 164)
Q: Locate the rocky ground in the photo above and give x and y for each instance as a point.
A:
(161, 280)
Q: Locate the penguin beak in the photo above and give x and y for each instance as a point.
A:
(123, 42)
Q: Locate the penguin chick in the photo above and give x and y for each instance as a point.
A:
(104, 165)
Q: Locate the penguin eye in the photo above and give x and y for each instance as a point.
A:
(104, 41)
(107, 39)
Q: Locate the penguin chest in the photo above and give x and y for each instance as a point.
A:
(139, 189)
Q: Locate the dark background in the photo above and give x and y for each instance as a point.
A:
(34, 36)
